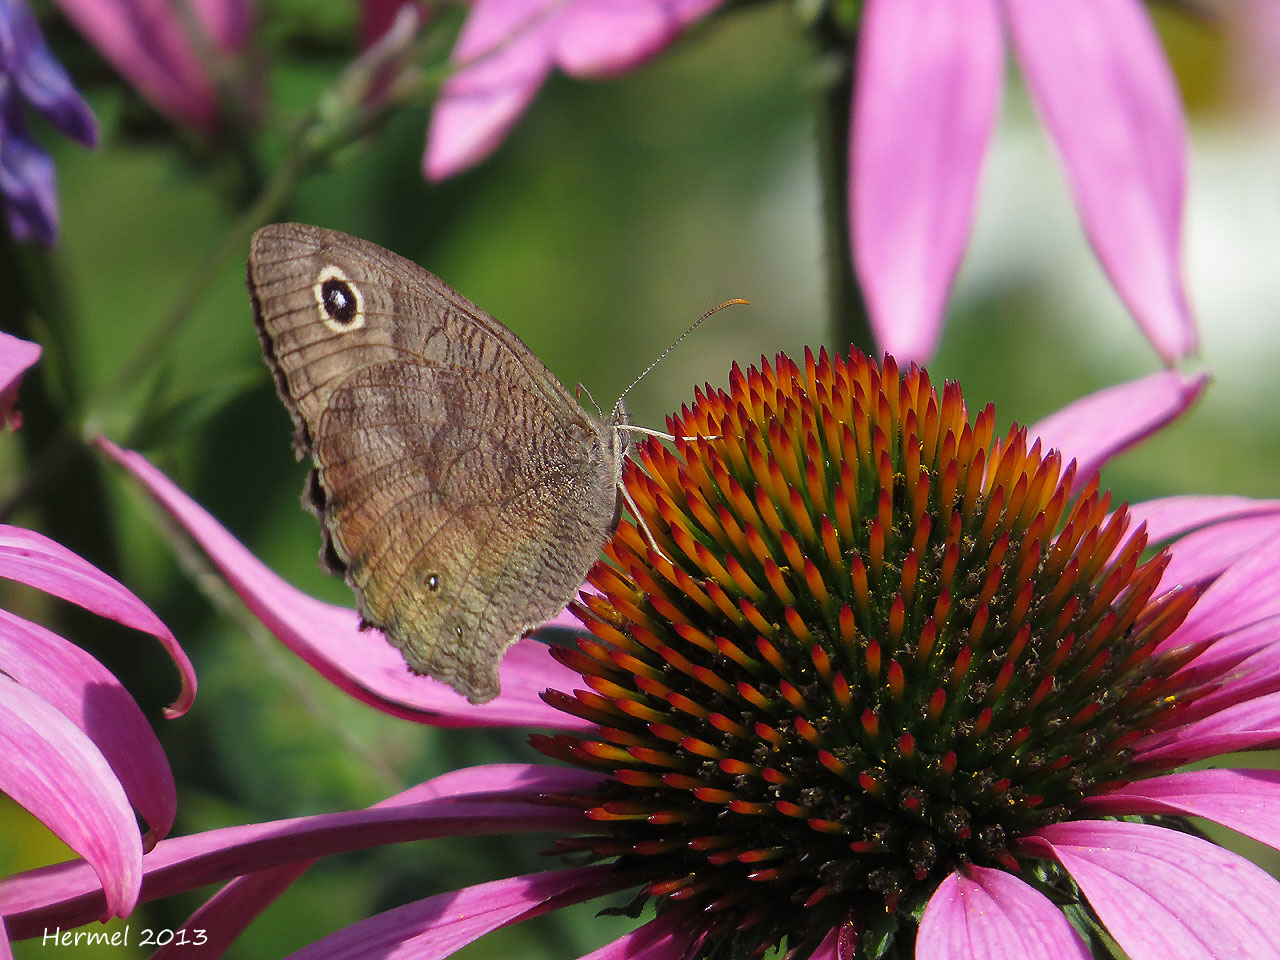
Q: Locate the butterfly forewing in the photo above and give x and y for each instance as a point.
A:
(464, 493)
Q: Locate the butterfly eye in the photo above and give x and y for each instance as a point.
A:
(340, 302)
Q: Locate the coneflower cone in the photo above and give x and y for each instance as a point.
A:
(856, 643)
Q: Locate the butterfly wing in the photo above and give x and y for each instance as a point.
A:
(462, 490)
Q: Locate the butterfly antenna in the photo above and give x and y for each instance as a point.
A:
(692, 327)
(577, 395)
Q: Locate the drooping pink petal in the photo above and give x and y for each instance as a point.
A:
(226, 914)
(146, 41)
(1247, 801)
(1208, 553)
(39, 562)
(672, 935)
(5, 952)
(1102, 425)
(55, 771)
(434, 928)
(598, 38)
(357, 661)
(1243, 665)
(1166, 895)
(1228, 662)
(928, 77)
(1170, 517)
(1246, 593)
(227, 23)
(68, 894)
(17, 356)
(983, 914)
(503, 55)
(602, 37)
(89, 696)
(511, 780)
(1100, 80)
(1252, 725)
(688, 11)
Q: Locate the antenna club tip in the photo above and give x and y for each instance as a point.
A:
(717, 308)
(697, 323)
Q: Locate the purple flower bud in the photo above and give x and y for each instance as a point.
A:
(30, 76)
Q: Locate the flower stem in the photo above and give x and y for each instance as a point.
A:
(61, 477)
(849, 323)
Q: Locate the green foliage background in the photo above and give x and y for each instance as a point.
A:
(613, 216)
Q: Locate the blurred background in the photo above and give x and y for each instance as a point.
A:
(614, 215)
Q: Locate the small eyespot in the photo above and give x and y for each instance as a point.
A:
(433, 582)
(458, 632)
(340, 302)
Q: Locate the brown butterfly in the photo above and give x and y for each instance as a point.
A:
(462, 491)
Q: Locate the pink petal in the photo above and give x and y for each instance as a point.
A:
(146, 41)
(1252, 725)
(1246, 593)
(1247, 801)
(1099, 77)
(1229, 662)
(86, 693)
(434, 928)
(673, 935)
(1244, 665)
(1208, 553)
(16, 358)
(227, 23)
(40, 562)
(68, 895)
(928, 78)
(688, 11)
(1214, 533)
(1171, 517)
(1166, 895)
(53, 770)
(513, 780)
(1102, 425)
(358, 661)
(597, 38)
(603, 37)
(503, 55)
(5, 952)
(984, 914)
(226, 914)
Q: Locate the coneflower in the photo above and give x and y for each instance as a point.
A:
(863, 680)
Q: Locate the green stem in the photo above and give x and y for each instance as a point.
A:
(849, 322)
(62, 480)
